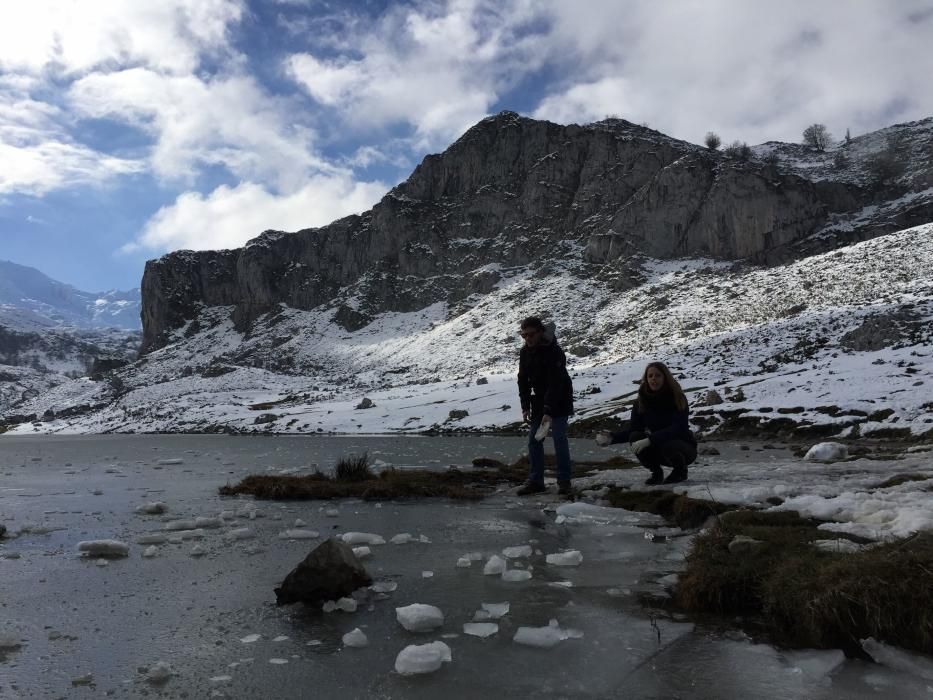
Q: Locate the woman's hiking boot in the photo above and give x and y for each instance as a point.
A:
(564, 488)
(676, 476)
(657, 477)
(531, 487)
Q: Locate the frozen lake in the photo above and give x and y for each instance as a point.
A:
(75, 618)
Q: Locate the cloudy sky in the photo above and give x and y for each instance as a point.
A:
(129, 128)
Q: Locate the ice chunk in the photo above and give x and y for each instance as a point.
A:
(299, 535)
(541, 637)
(352, 538)
(495, 566)
(481, 616)
(571, 558)
(101, 562)
(561, 584)
(150, 551)
(464, 563)
(427, 574)
(151, 539)
(220, 679)
(281, 638)
(898, 659)
(421, 538)
(241, 533)
(106, 548)
(523, 550)
(209, 523)
(422, 658)
(355, 638)
(402, 538)
(152, 508)
(543, 429)
(160, 672)
(496, 610)
(545, 637)
(419, 617)
(362, 552)
(475, 556)
(827, 452)
(8, 641)
(299, 522)
(278, 662)
(480, 629)
(516, 575)
(347, 604)
(166, 462)
(198, 551)
(332, 513)
(180, 525)
(383, 586)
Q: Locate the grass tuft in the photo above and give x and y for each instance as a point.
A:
(353, 468)
(807, 597)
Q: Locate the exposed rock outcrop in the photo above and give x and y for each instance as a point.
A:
(510, 192)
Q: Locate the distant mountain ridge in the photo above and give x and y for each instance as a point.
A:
(31, 300)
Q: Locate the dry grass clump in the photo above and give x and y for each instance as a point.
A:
(356, 480)
(808, 597)
(683, 511)
(353, 468)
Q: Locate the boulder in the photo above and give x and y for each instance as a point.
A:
(330, 572)
(741, 544)
(365, 403)
(712, 398)
(457, 414)
(481, 381)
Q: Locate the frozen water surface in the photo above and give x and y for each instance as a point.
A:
(212, 620)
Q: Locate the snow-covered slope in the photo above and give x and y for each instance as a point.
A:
(29, 299)
(837, 342)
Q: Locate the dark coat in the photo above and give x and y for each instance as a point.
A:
(662, 419)
(544, 385)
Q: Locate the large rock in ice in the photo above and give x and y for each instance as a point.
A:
(827, 452)
(331, 571)
(422, 658)
(419, 617)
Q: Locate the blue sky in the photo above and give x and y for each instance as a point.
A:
(130, 128)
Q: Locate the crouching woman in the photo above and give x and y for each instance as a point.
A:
(659, 432)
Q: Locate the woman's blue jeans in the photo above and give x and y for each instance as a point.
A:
(561, 449)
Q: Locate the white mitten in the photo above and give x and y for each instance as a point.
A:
(541, 433)
(603, 439)
(639, 445)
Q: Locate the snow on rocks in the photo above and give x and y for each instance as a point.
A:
(827, 452)
(495, 566)
(299, 535)
(367, 538)
(422, 658)
(570, 558)
(523, 550)
(362, 552)
(899, 659)
(355, 638)
(480, 629)
(419, 617)
(104, 548)
(152, 508)
(544, 637)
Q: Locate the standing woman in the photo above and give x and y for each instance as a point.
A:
(659, 432)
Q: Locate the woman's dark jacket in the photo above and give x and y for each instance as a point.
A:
(661, 419)
(543, 382)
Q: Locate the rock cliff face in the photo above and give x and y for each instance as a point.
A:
(511, 192)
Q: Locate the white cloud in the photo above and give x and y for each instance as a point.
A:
(36, 152)
(169, 35)
(228, 217)
(438, 70)
(229, 121)
(751, 71)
